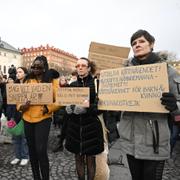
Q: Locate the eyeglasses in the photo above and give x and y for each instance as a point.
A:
(37, 67)
(81, 65)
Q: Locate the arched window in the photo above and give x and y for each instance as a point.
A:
(4, 69)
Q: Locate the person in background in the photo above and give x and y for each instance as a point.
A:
(19, 142)
(145, 137)
(175, 131)
(12, 71)
(1, 94)
(37, 118)
(60, 119)
(10, 108)
(3, 82)
(84, 136)
(111, 118)
(102, 168)
(74, 75)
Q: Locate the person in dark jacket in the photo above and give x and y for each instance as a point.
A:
(111, 118)
(84, 135)
(3, 95)
(12, 71)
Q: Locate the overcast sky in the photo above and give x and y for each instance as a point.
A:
(71, 25)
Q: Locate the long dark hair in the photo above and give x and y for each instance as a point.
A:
(25, 72)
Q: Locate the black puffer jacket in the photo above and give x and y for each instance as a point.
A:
(84, 132)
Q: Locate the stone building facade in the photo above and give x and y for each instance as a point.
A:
(9, 56)
(60, 60)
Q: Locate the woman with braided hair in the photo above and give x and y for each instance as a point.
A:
(37, 119)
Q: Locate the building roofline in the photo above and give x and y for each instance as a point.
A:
(7, 46)
(47, 47)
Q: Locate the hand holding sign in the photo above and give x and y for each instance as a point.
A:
(79, 110)
(25, 106)
(69, 109)
(169, 101)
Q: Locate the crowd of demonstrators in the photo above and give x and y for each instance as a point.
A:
(145, 137)
(60, 119)
(148, 139)
(19, 142)
(84, 135)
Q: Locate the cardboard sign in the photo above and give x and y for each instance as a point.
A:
(135, 88)
(73, 96)
(40, 93)
(107, 56)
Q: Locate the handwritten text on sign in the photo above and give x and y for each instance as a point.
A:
(135, 88)
(40, 93)
(73, 96)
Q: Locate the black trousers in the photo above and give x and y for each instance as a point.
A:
(145, 169)
(37, 139)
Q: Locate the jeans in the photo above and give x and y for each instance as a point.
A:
(20, 147)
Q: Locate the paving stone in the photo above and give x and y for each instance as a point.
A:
(62, 165)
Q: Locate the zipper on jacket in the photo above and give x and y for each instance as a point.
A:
(155, 132)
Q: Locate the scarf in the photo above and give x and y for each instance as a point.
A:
(151, 59)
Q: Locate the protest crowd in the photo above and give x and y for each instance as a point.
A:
(87, 133)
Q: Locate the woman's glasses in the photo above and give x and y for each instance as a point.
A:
(37, 67)
(81, 65)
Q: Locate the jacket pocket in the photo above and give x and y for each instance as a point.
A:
(126, 127)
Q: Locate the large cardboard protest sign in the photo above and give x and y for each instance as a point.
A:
(107, 56)
(135, 88)
(73, 96)
(38, 93)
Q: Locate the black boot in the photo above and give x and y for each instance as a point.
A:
(59, 147)
(35, 170)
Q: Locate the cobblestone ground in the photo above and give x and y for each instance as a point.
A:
(172, 167)
(62, 166)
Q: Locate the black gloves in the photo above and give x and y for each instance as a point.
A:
(169, 101)
(69, 109)
(75, 109)
(25, 106)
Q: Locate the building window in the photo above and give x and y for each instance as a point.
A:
(4, 69)
(4, 54)
(14, 56)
